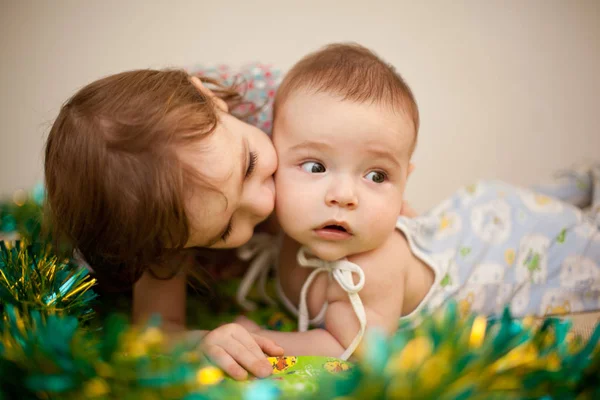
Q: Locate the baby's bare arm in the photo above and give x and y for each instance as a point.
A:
(382, 295)
(382, 298)
(341, 326)
(385, 279)
(315, 342)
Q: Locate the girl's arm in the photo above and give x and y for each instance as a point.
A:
(163, 297)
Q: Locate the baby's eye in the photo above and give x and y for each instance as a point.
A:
(313, 167)
(376, 176)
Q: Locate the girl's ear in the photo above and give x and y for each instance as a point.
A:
(221, 104)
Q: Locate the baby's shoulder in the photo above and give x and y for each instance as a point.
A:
(391, 255)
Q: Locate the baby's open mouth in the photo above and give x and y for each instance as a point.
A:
(335, 227)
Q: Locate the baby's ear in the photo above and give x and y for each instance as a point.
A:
(208, 93)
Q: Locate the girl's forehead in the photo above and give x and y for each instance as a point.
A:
(215, 156)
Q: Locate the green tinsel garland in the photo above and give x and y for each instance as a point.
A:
(55, 357)
(33, 278)
(23, 215)
(48, 349)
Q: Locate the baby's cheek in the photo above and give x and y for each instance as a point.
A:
(282, 190)
(286, 202)
(382, 223)
(291, 188)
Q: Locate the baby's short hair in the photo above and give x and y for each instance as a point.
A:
(352, 72)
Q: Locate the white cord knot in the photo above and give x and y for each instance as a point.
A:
(337, 269)
(341, 271)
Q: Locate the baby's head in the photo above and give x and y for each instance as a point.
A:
(345, 128)
(142, 163)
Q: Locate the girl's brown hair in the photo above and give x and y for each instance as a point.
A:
(115, 185)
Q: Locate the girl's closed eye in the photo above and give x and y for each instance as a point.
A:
(376, 176)
(313, 167)
(227, 232)
(253, 159)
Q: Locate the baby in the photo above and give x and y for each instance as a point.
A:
(345, 129)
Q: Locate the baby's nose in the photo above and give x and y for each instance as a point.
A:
(342, 194)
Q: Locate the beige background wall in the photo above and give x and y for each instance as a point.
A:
(507, 89)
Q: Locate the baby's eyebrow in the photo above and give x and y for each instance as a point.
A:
(311, 145)
(385, 154)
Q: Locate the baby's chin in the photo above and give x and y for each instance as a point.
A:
(329, 251)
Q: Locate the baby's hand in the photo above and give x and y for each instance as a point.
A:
(235, 350)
